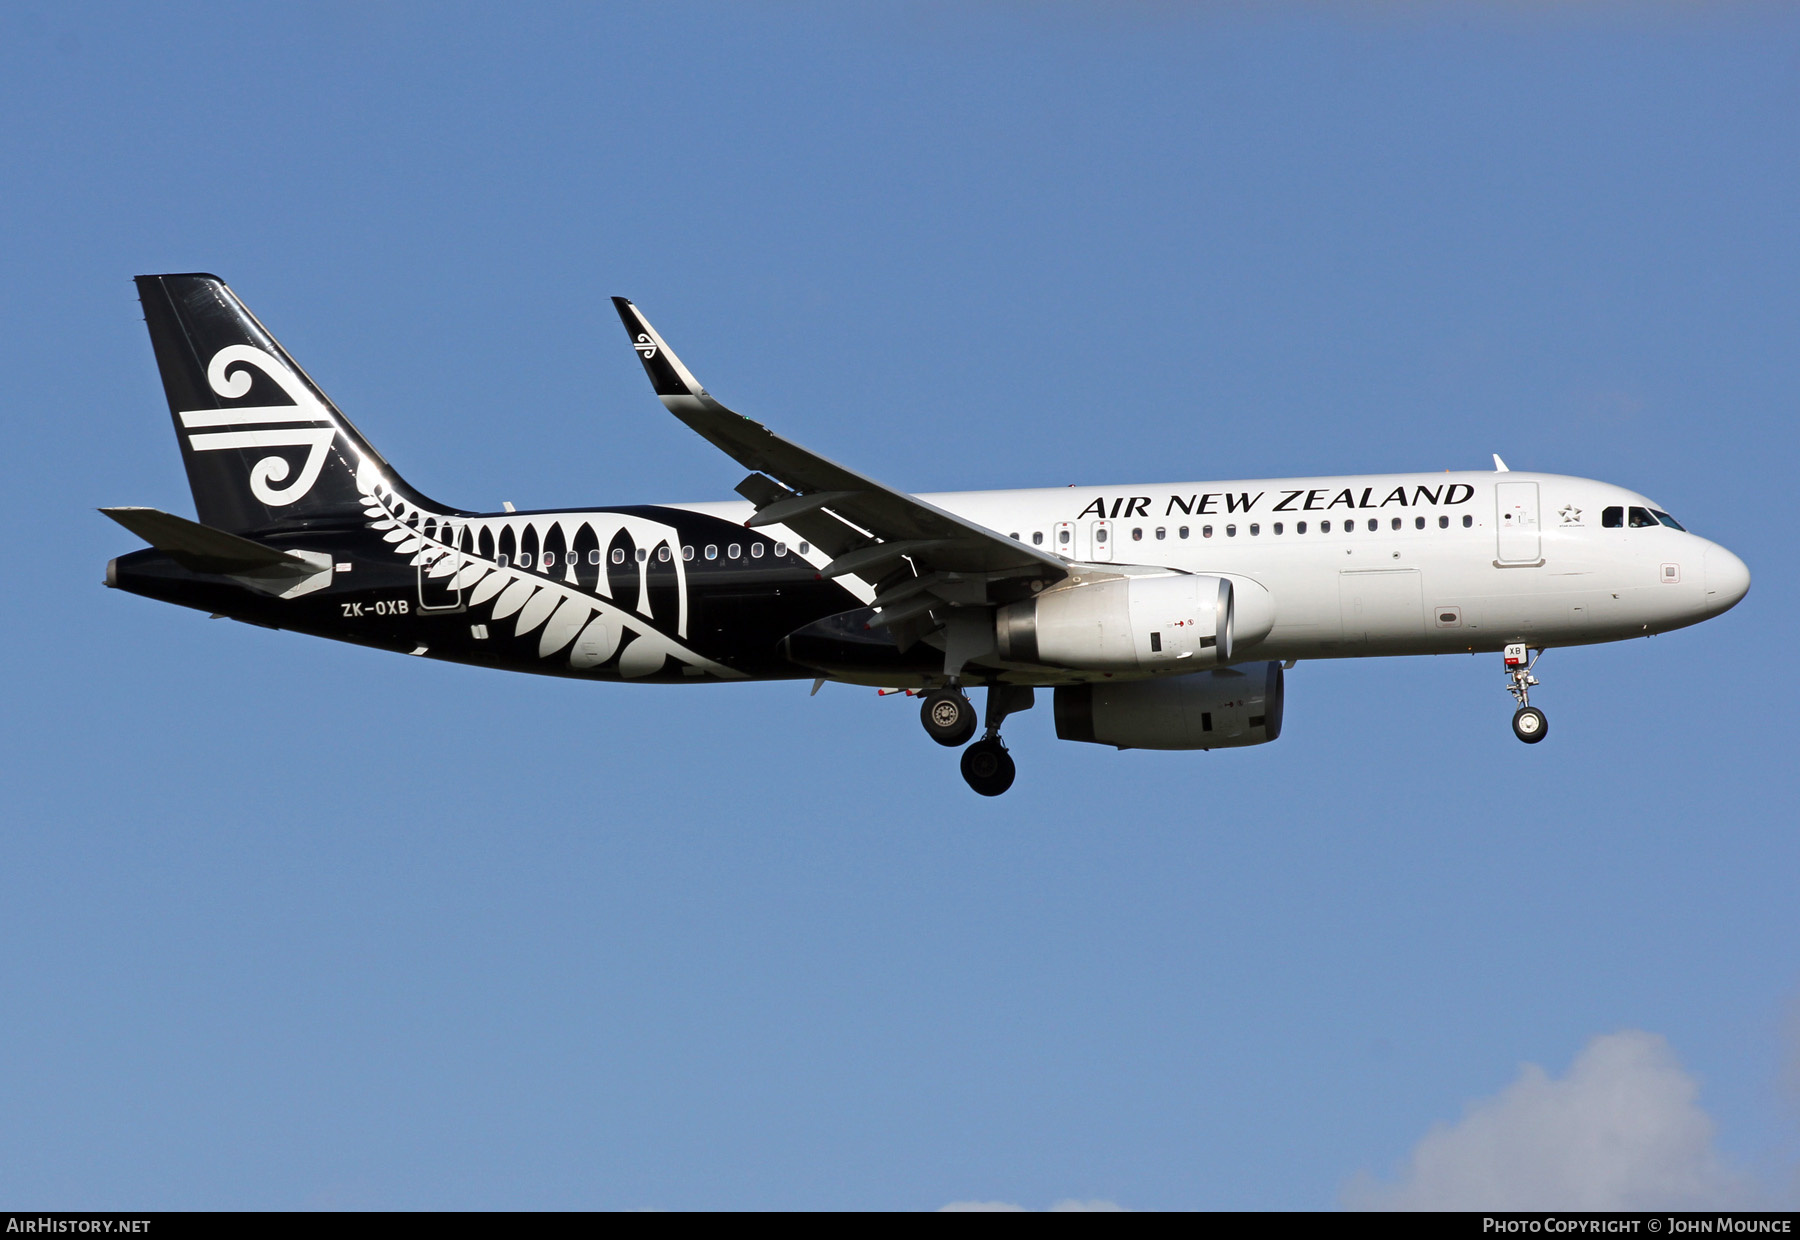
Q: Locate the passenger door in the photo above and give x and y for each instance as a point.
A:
(1516, 522)
(440, 584)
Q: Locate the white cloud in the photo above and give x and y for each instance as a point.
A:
(1621, 1131)
(1068, 1205)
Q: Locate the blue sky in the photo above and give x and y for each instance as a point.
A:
(294, 924)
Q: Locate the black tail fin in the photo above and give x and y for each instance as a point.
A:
(262, 444)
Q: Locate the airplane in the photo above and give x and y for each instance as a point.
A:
(1160, 616)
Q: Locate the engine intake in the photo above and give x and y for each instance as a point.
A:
(1223, 708)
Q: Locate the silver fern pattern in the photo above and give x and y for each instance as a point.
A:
(586, 627)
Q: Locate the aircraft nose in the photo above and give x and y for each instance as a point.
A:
(1727, 579)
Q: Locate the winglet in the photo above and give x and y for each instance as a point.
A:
(667, 375)
(813, 489)
(1500, 465)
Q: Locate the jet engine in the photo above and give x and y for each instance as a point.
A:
(1223, 708)
(1130, 624)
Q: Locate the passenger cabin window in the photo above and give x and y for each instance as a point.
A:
(662, 554)
(1373, 525)
(1161, 533)
(756, 551)
(1468, 521)
(1037, 538)
(642, 554)
(712, 551)
(1015, 538)
(1396, 522)
(618, 555)
(1277, 527)
(1443, 523)
(1640, 518)
(1182, 532)
(1062, 536)
(1231, 531)
(1100, 536)
(1324, 527)
(1418, 523)
(734, 551)
(687, 552)
(804, 548)
(780, 549)
(1206, 531)
(1137, 533)
(594, 556)
(1299, 527)
(501, 559)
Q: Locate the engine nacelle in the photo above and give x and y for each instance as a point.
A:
(1223, 708)
(1132, 624)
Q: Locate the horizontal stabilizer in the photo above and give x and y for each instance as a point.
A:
(203, 548)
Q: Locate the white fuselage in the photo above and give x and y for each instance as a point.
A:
(1389, 564)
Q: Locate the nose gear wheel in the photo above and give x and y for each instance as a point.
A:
(1529, 724)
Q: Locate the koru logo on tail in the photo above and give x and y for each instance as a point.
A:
(304, 424)
(646, 347)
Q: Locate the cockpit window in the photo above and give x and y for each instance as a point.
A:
(1612, 518)
(1667, 520)
(1640, 518)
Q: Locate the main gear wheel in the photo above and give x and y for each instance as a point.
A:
(987, 767)
(948, 716)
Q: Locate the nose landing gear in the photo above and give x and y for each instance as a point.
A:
(1528, 722)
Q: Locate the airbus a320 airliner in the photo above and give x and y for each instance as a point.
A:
(1160, 616)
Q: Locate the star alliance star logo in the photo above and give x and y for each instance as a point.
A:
(1570, 514)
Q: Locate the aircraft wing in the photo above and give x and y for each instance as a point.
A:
(866, 526)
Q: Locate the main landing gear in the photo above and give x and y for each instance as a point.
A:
(948, 716)
(987, 766)
(1528, 722)
(949, 719)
